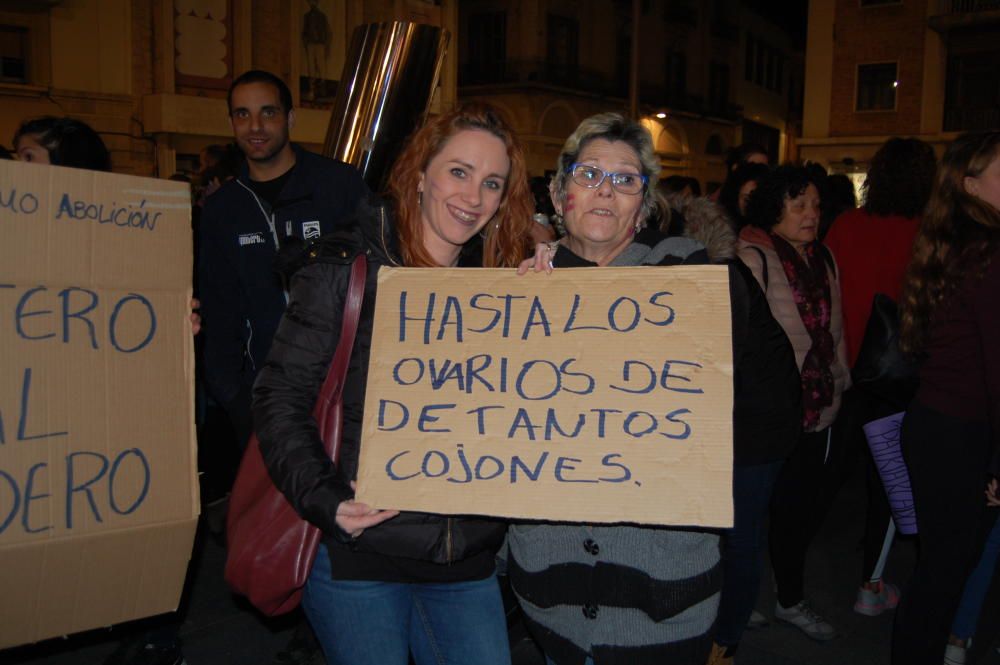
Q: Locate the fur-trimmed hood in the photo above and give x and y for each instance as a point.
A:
(708, 223)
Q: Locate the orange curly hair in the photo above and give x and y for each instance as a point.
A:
(506, 237)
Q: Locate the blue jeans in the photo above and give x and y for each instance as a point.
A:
(743, 549)
(381, 623)
(976, 587)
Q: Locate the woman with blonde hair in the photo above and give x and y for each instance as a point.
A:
(607, 594)
(950, 320)
(388, 585)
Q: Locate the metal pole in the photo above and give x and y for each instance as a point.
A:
(633, 72)
(389, 76)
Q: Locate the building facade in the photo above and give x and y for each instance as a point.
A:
(151, 75)
(711, 75)
(882, 68)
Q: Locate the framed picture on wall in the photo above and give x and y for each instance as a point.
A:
(323, 36)
(203, 43)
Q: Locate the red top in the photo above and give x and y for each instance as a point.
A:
(872, 253)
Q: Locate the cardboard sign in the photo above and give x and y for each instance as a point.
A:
(98, 492)
(587, 395)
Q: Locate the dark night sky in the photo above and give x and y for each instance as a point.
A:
(788, 14)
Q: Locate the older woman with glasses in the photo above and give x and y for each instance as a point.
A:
(614, 594)
(801, 280)
(604, 191)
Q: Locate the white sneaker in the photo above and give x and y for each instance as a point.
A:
(757, 620)
(805, 619)
(954, 654)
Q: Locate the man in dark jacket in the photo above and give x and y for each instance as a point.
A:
(284, 195)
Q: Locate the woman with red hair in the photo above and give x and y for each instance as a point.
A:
(386, 585)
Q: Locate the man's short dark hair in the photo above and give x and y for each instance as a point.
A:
(261, 76)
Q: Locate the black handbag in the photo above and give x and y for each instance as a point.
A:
(881, 367)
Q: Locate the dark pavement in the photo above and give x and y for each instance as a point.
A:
(219, 629)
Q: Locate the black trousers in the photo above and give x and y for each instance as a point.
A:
(947, 460)
(800, 502)
(857, 409)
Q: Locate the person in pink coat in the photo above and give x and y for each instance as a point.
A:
(800, 279)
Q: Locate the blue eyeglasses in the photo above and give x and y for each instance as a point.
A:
(591, 177)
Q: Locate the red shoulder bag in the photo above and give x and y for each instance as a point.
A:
(270, 548)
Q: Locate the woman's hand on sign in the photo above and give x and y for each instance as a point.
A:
(195, 316)
(542, 260)
(993, 493)
(354, 517)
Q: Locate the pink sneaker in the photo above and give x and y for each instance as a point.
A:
(872, 603)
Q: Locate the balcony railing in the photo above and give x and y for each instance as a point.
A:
(542, 73)
(964, 119)
(962, 14)
(681, 12)
(964, 6)
(726, 30)
(584, 80)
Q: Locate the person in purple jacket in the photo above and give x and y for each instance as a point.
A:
(950, 320)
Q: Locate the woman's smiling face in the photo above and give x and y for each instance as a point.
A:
(461, 190)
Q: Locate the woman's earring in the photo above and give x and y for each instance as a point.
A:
(420, 197)
(557, 221)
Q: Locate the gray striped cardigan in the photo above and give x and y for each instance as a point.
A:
(621, 594)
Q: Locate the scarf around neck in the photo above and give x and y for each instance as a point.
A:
(810, 284)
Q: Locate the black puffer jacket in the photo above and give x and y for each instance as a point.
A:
(767, 396)
(287, 387)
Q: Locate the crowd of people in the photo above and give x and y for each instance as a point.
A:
(805, 267)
